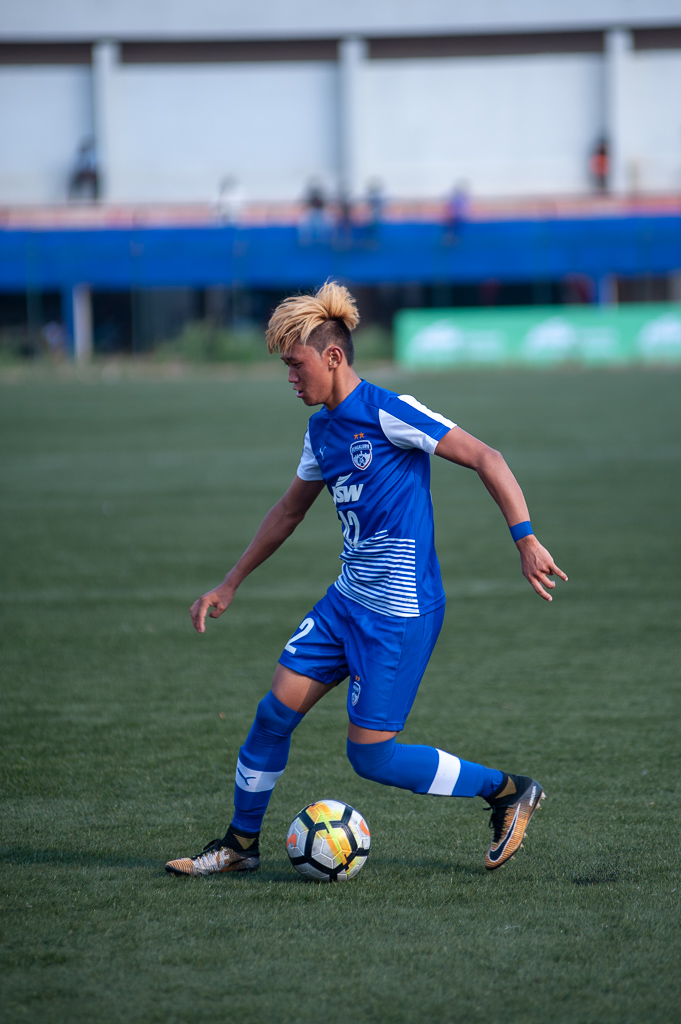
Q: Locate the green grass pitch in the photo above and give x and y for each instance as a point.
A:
(122, 501)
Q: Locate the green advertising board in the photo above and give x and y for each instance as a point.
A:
(539, 336)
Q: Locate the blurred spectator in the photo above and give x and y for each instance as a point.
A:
(488, 291)
(314, 226)
(344, 221)
(84, 179)
(599, 165)
(230, 200)
(577, 290)
(375, 207)
(456, 214)
(54, 336)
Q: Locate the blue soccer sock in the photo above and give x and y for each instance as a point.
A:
(422, 769)
(262, 760)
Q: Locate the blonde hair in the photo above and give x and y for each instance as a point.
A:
(297, 317)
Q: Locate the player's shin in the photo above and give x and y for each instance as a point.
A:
(262, 760)
(422, 769)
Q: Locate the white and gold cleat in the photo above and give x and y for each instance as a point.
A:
(215, 858)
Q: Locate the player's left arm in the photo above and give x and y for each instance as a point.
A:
(465, 450)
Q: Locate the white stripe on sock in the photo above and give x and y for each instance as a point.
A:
(446, 775)
(253, 781)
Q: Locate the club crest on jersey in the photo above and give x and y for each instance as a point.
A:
(356, 690)
(361, 453)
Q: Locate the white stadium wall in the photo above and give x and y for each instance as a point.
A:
(504, 125)
(657, 121)
(179, 130)
(234, 19)
(45, 113)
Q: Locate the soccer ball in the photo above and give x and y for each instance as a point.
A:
(328, 841)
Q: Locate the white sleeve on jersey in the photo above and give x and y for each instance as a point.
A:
(309, 467)
(404, 434)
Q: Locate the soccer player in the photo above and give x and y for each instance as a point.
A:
(379, 621)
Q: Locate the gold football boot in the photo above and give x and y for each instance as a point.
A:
(513, 804)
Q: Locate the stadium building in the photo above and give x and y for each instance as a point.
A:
(167, 162)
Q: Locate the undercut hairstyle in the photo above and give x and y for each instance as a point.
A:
(326, 318)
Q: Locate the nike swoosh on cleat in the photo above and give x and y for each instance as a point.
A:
(498, 853)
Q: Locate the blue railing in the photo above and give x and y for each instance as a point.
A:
(262, 257)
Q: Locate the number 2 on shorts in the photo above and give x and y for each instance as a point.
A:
(305, 626)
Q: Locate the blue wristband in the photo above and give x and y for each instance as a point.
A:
(521, 530)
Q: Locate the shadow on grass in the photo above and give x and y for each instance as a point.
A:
(27, 855)
(436, 866)
(612, 870)
(71, 858)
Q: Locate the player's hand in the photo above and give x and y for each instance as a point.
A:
(538, 566)
(218, 600)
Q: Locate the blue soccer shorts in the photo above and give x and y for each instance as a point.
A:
(384, 656)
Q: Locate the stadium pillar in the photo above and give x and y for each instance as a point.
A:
(77, 317)
(619, 107)
(351, 54)
(105, 59)
(606, 290)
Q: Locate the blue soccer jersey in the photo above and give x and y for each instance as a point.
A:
(372, 452)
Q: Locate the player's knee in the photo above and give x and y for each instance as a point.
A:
(372, 760)
(275, 718)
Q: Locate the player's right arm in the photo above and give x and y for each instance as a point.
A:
(278, 524)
